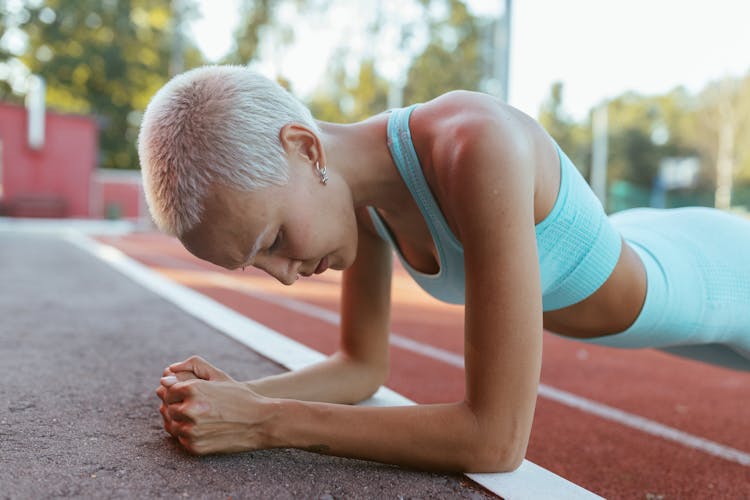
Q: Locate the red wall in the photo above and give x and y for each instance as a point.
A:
(118, 194)
(54, 181)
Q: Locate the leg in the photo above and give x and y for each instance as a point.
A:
(698, 273)
(715, 354)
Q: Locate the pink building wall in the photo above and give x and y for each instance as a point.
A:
(118, 194)
(61, 178)
(54, 181)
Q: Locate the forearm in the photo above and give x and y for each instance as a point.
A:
(338, 379)
(446, 437)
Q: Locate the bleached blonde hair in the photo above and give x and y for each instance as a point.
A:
(213, 124)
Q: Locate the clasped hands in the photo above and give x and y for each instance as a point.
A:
(208, 411)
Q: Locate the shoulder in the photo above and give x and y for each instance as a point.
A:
(470, 117)
(477, 147)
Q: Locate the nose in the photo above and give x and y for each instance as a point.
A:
(284, 270)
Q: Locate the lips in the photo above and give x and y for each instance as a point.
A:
(322, 265)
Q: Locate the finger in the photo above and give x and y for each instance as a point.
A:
(193, 410)
(186, 375)
(200, 367)
(164, 410)
(161, 391)
(179, 391)
(166, 372)
(177, 414)
(167, 421)
(188, 364)
(186, 443)
(170, 380)
(192, 445)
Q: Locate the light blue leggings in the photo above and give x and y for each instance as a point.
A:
(697, 264)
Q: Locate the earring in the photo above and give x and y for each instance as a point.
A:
(322, 173)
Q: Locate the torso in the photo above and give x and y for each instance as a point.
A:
(611, 309)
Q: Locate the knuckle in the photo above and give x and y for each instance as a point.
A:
(198, 448)
(192, 446)
(189, 431)
(188, 387)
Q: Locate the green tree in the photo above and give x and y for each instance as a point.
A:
(255, 14)
(573, 138)
(260, 17)
(349, 99)
(722, 121)
(106, 58)
(452, 59)
(12, 71)
(643, 130)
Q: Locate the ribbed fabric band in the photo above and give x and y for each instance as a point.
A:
(448, 284)
(698, 274)
(578, 247)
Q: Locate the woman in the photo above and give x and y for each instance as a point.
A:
(483, 209)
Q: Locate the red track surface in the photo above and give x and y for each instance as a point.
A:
(610, 459)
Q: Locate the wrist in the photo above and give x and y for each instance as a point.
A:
(275, 430)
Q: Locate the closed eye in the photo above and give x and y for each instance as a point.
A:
(276, 243)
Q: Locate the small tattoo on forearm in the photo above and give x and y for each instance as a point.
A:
(319, 448)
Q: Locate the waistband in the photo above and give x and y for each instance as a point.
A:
(578, 246)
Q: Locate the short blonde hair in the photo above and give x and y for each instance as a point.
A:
(213, 124)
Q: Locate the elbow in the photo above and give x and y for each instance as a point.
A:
(494, 444)
(488, 458)
(373, 379)
(492, 451)
(366, 377)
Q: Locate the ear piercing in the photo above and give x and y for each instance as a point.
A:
(322, 173)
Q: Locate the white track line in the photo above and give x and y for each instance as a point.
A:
(528, 482)
(610, 413)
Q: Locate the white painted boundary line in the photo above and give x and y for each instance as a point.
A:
(646, 425)
(601, 410)
(66, 226)
(528, 482)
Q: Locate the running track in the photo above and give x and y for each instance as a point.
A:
(623, 424)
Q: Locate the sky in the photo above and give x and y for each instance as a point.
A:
(598, 49)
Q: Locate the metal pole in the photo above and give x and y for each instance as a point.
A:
(502, 50)
(36, 112)
(177, 59)
(599, 153)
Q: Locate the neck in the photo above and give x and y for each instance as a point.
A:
(359, 153)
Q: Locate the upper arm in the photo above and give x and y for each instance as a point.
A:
(493, 209)
(366, 300)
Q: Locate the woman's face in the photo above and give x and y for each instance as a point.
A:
(301, 228)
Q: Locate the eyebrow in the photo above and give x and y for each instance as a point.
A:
(256, 246)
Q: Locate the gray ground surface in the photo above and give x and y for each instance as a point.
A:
(81, 351)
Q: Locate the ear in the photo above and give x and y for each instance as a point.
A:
(298, 140)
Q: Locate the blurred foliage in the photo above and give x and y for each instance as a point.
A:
(259, 18)
(344, 99)
(644, 130)
(105, 58)
(255, 14)
(574, 138)
(108, 57)
(451, 60)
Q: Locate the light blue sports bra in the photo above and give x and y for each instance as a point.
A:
(578, 248)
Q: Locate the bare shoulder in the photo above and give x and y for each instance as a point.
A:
(475, 147)
(473, 116)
